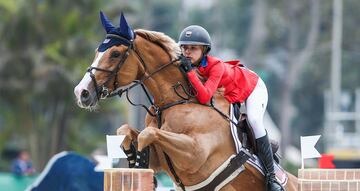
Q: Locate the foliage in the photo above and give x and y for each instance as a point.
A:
(46, 54)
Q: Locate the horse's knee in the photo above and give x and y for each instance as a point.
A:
(129, 133)
(146, 137)
(123, 129)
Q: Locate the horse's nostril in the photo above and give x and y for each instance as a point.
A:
(85, 94)
(85, 98)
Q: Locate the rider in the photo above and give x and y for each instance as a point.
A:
(241, 85)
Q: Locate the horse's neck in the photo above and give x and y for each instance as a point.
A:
(161, 83)
(162, 89)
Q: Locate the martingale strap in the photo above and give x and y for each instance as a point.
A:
(167, 158)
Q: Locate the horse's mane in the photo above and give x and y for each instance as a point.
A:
(162, 40)
(169, 45)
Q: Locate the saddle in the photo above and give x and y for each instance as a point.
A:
(247, 137)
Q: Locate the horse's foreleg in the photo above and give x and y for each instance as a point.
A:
(183, 148)
(130, 135)
(128, 146)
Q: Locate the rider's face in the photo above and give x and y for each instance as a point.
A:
(194, 52)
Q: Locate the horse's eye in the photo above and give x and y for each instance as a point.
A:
(115, 54)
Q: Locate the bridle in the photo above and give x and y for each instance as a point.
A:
(102, 90)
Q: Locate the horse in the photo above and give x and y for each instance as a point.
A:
(187, 140)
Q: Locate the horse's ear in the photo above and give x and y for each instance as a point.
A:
(106, 23)
(125, 28)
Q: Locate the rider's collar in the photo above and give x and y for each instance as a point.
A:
(204, 62)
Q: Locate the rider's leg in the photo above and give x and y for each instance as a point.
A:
(256, 105)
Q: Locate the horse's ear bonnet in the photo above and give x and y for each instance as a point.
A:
(121, 35)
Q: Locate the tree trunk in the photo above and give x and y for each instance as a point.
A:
(297, 59)
(257, 33)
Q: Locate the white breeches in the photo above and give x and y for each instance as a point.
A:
(255, 108)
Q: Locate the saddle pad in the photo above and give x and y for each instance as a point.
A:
(255, 162)
(280, 173)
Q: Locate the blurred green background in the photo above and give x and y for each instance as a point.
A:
(46, 45)
(12, 183)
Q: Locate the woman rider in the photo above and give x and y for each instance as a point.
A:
(241, 85)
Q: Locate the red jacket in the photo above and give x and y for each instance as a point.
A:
(238, 81)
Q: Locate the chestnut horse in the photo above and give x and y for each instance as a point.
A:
(195, 137)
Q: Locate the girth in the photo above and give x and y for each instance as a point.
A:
(235, 164)
(227, 174)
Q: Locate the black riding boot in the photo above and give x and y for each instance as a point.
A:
(266, 156)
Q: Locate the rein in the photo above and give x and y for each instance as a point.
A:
(227, 118)
(157, 109)
(103, 92)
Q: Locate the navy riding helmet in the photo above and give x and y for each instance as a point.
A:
(195, 35)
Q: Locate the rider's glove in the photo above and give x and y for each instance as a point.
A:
(185, 64)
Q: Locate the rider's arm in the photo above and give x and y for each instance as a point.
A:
(207, 90)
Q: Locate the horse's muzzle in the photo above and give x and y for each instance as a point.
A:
(85, 98)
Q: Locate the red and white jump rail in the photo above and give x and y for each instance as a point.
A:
(329, 180)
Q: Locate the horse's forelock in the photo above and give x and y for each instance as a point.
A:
(164, 41)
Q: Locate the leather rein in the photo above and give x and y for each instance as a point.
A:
(102, 91)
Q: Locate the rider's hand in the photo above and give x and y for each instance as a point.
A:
(185, 64)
